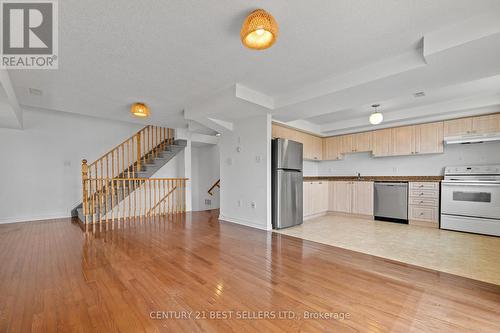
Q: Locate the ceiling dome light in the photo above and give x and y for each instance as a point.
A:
(259, 31)
(376, 117)
(140, 110)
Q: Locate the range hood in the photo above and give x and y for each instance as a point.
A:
(474, 138)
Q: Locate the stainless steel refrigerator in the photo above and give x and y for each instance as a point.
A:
(287, 183)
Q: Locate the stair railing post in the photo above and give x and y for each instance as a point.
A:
(138, 152)
(85, 175)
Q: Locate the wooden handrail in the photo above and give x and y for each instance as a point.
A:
(161, 201)
(128, 157)
(216, 184)
(111, 181)
(126, 198)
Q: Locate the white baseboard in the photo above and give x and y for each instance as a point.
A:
(34, 218)
(245, 222)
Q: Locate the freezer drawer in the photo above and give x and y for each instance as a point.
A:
(287, 199)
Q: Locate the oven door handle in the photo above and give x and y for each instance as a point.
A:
(470, 183)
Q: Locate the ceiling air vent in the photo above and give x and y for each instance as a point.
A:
(419, 94)
(35, 92)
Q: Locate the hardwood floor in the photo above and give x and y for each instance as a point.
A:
(54, 277)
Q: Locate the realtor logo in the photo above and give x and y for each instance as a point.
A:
(28, 34)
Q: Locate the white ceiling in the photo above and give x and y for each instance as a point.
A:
(332, 59)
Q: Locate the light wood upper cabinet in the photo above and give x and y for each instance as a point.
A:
(397, 141)
(332, 148)
(313, 145)
(347, 144)
(457, 127)
(276, 131)
(317, 148)
(362, 198)
(403, 142)
(362, 142)
(486, 124)
(472, 125)
(341, 192)
(382, 140)
(429, 138)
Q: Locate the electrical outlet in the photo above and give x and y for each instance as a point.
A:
(208, 202)
(257, 159)
(239, 203)
(252, 204)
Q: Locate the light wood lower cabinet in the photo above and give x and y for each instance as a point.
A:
(340, 197)
(351, 197)
(315, 198)
(362, 198)
(423, 204)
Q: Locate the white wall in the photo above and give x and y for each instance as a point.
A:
(205, 170)
(175, 168)
(245, 170)
(423, 165)
(40, 170)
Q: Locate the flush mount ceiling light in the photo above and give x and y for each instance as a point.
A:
(259, 31)
(140, 110)
(376, 117)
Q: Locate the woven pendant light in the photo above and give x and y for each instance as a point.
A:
(140, 110)
(259, 31)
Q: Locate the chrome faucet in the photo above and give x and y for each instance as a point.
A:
(359, 176)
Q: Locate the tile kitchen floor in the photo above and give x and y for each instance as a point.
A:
(467, 255)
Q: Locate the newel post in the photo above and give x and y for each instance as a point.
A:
(138, 151)
(85, 175)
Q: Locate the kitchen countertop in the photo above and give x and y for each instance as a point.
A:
(377, 178)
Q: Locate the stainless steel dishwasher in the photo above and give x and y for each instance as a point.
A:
(391, 202)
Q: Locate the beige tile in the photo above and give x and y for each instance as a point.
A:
(468, 255)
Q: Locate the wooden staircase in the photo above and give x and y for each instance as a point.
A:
(118, 185)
